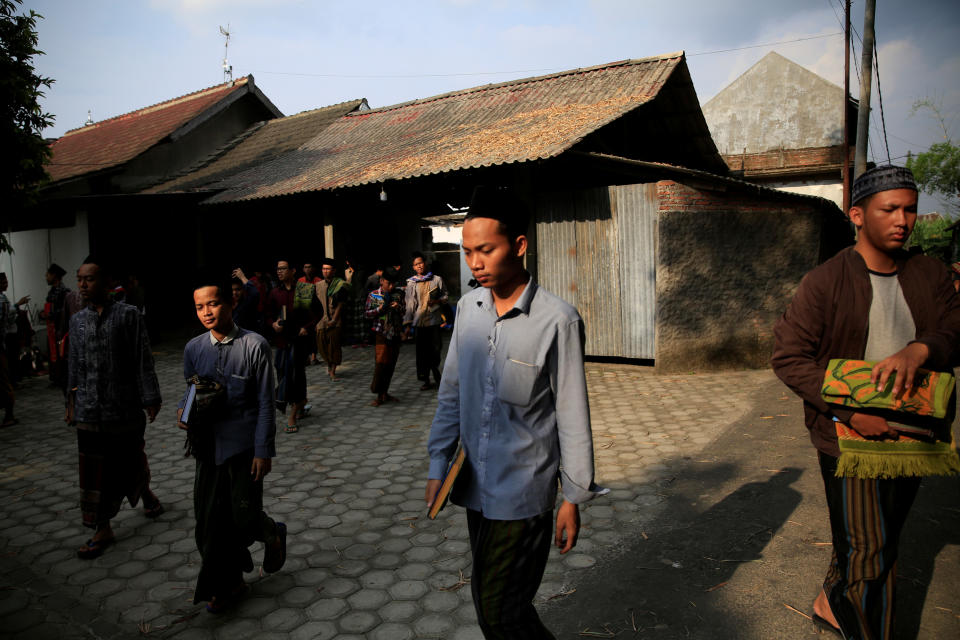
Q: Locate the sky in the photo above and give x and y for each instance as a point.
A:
(112, 57)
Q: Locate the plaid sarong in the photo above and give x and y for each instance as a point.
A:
(113, 466)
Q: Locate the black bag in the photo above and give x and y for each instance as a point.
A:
(209, 407)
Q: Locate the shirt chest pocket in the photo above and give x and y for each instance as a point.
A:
(517, 382)
(239, 388)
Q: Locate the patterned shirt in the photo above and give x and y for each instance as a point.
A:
(56, 299)
(111, 365)
(387, 322)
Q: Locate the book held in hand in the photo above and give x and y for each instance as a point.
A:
(440, 500)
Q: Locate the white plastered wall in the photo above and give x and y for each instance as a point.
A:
(33, 251)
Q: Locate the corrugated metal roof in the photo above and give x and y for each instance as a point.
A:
(119, 139)
(257, 145)
(516, 121)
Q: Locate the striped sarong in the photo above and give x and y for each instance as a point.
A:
(866, 518)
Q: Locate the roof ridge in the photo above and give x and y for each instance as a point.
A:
(308, 112)
(160, 105)
(216, 154)
(519, 81)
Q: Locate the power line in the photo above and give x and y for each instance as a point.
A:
(404, 76)
(883, 120)
(496, 73)
(767, 44)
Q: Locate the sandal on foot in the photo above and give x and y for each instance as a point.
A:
(153, 512)
(9, 422)
(292, 428)
(94, 548)
(823, 624)
(275, 553)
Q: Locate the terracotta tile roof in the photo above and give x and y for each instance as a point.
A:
(257, 145)
(516, 121)
(117, 140)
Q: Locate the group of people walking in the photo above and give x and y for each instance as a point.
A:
(306, 320)
(237, 381)
(512, 397)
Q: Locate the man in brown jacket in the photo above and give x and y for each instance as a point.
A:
(872, 301)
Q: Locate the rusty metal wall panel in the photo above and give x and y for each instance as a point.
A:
(598, 272)
(597, 251)
(557, 246)
(636, 211)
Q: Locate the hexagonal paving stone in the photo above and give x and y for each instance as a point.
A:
(147, 580)
(368, 599)
(284, 619)
(238, 629)
(466, 613)
(88, 576)
(468, 633)
(421, 554)
(255, 607)
(400, 611)
(358, 621)
(314, 631)
(142, 612)
(415, 571)
(580, 561)
(395, 545)
(310, 577)
(392, 631)
(350, 568)
(433, 624)
(386, 561)
(440, 601)
(408, 589)
(359, 551)
(299, 596)
(339, 587)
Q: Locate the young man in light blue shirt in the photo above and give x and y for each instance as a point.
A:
(513, 393)
(228, 488)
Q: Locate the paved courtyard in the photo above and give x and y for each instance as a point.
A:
(363, 560)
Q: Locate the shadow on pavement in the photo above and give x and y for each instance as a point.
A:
(933, 525)
(665, 579)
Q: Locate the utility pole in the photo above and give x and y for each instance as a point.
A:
(866, 68)
(846, 110)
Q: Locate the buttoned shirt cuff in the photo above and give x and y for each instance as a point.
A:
(261, 451)
(438, 468)
(572, 492)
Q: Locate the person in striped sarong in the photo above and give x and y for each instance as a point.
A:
(875, 302)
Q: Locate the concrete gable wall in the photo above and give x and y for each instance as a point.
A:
(776, 104)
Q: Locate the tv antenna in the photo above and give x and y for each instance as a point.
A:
(227, 67)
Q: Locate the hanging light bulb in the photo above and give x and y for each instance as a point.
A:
(383, 194)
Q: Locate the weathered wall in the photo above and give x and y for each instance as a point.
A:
(728, 264)
(776, 104)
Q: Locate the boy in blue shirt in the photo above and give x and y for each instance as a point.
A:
(228, 487)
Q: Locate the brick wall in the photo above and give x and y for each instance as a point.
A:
(727, 265)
